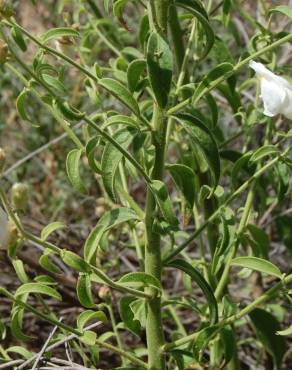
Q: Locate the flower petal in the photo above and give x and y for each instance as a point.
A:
(287, 104)
(273, 96)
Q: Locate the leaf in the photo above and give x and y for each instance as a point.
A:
(16, 325)
(90, 153)
(263, 152)
(161, 195)
(127, 315)
(134, 72)
(160, 66)
(285, 332)
(76, 262)
(20, 271)
(83, 289)
(201, 135)
(18, 38)
(38, 289)
(72, 166)
(120, 92)
(203, 338)
(55, 33)
(109, 220)
(139, 309)
(47, 264)
(21, 105)
(267, 326)
(184, 179)
(257, 264)
(241, 163)
(50, 228)
(199, 279)
(90, 315)
(111, 158)
(119, 119)
(20, 351)
(140, 280)
(284, 9)
(261, 239)
(197, 10)
(223, 69)
(89, 337)
(229, 343)
(54, 83)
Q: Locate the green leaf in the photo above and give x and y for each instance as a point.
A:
(134, 72)
(90, 153)
(203, 339)
(54, 83)
(257, 264)
(47, 264)
(111, 158)
(284, 9)
(267, 326)
(127, 315)
(18, 38)
(83, 289)
(140, 280)
(20, 271)
(50, 228)
(16, 324)
(20, 351)
(120, 92)
(261, 239)
(229, 343)
(201, 136)
(264, 151)
(197, 10)
(162, 198)
(160, 66)
(199, 279)
(89, 337)
(89, 315)
(242, 163)
(56, 33)
(139, 309)
(184, 178)
(119, 119)
(285, 332)
(38, 289)
(76, 262)
(109, 220)
(21, 105)
(223, 69)
(72, 166)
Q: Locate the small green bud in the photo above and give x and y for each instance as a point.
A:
(3, 52)
(2, 159)
(6, 9)
(19, 196)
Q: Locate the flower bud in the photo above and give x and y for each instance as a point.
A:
(3, 229)
(19, 196)
(12, 234)
(104, 293)
(6, 9)
(3, 52)
(2, 159)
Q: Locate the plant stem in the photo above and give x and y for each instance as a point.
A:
(236, 68)
(269, 294)
(153, 266)
(238, 191)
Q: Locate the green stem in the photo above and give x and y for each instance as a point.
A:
(78, 333)
(154, 329)
(108, 281)
(268, 295)
(244, 219)
(236, 68)
(238, 191)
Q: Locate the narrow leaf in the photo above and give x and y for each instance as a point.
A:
(39, 289)
(257, 264)
(72, 166)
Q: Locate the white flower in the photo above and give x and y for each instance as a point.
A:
(276, 92)
(3, 229)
